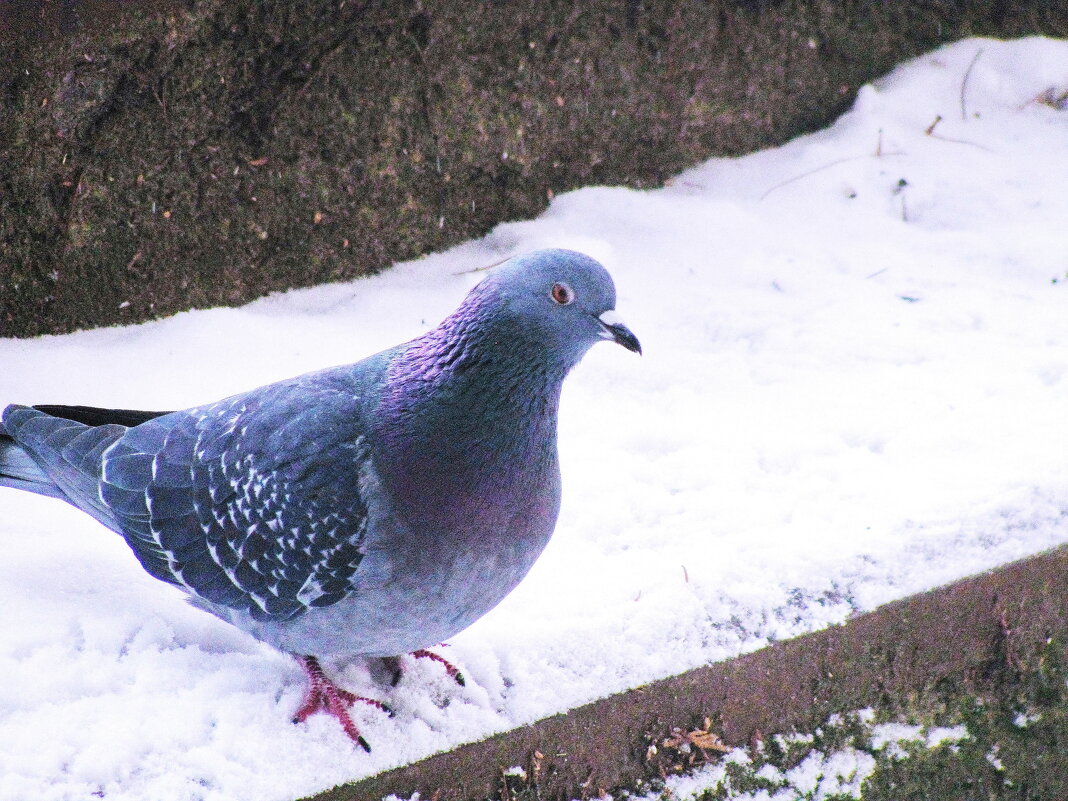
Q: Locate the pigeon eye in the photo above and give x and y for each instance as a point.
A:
(562, 294)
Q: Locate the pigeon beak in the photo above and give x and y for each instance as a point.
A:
(614, 329)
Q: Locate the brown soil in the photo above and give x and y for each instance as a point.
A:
(158, 155)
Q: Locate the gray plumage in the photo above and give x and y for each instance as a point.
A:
(371, 509)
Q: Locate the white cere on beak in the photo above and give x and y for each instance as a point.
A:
(610, 318)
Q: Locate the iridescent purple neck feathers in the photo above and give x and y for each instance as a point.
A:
(470, 410)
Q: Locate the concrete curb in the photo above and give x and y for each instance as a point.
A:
(969, 632)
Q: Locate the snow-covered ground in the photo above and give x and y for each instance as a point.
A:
(855, 387)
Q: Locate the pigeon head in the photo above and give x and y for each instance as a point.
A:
(517, 333)
(559, 301)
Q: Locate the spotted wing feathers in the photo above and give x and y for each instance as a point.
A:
(251, 503)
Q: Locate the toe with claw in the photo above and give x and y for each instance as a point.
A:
(393, 663)
(325, 696)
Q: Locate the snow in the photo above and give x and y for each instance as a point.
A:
(835, 775)
(946, 734)
(889, 735)
(854, 388)
(838, 775)
(842, 773)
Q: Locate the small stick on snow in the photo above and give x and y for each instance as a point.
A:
(827, 166)
(964, 84)
(962, 142)
(482, 269)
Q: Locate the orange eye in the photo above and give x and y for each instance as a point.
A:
(562, 294)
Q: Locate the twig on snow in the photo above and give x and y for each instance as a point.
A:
(827, 166)
(964, 84)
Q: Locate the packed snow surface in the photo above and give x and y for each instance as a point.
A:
(854, 387)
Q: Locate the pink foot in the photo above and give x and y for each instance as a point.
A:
(325, 696)
(454, 672)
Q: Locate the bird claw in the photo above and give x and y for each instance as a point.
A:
(394, 663)
(450, 668)
(325, 696)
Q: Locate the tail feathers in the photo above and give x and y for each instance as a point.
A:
(38, 433)
(57, 457)
(19, 471)
(95, 416)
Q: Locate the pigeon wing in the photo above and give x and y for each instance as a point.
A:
(251, 503)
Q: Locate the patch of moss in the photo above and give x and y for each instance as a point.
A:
(1018, 748)
(1009, 742)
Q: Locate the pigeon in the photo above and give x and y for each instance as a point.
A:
(369, 510)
